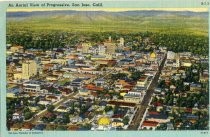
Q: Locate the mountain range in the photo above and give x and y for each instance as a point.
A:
(138, 20)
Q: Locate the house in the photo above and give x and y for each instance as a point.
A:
(149, 125)
(102, 103)
(135, 98)
(110, 113)
(191, 117)
(18, 75)
(93, 87)
(34, 108)
(117, 123)
(172, 87)
(124, 85)
(94, 94)
(158, 105)
(49, 115)
(60, 116)
(72, 57)
(76, 119)
(125, 61)
(17, 115)
(48, 66)
(78, 47)
(73, 127)
(44, 102)
(142, 81)
(108, 62)
(27, 127)
(157, 117)
(186, 63)
(40, 127)
(16, 48)
(100, 82)
(204, 77)
(59, 61)
(84, 92)
(16, 127)
(77, 82)
(158, 90)
(107, 96)
(13, 92)
(67, 75)
(52, 77)
(195, 87)
(122, 104)
(44, 91)
(52, 98)
(66, 92)
(150, 74)
(62, 109)
(170, 126)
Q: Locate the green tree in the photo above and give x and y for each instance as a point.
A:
(108, 108)
(28, 115)
(136, 75)
(126, 120)
(50, 108)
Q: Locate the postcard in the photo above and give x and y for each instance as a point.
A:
(104, 68)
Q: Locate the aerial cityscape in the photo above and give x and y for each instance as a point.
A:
(102, 71)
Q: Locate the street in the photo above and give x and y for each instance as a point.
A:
(42, 113)
(143, 106)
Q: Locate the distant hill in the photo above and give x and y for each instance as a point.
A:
(70, 20)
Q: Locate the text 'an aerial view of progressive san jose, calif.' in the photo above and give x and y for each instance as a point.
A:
(107, 70)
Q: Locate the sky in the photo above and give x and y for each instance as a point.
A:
(107, 9)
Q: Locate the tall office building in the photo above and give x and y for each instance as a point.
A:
(29, 69)
(110, 47)
(122, 41)
(86, 47)
(177, 60)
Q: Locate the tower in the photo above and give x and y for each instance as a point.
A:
(86, 47)
(177, 60)
(110, 47)
(29, 69)
(122, 41)
(110, 39)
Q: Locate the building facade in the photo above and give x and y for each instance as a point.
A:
(29, 69)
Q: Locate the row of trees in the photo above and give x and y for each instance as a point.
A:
(49, 40)
(52, 39)
(182, 43)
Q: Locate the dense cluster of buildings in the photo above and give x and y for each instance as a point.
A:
(166, 108)
(79, 83)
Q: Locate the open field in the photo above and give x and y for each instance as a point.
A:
(134, 21)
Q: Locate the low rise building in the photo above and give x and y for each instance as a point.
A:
(149, 125)
(142, 81)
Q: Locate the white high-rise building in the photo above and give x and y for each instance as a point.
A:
(86, 47)
(29, 69)
(122, 41)
(101, 50)
(177, 60)
(110, 47)
(110, 39)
